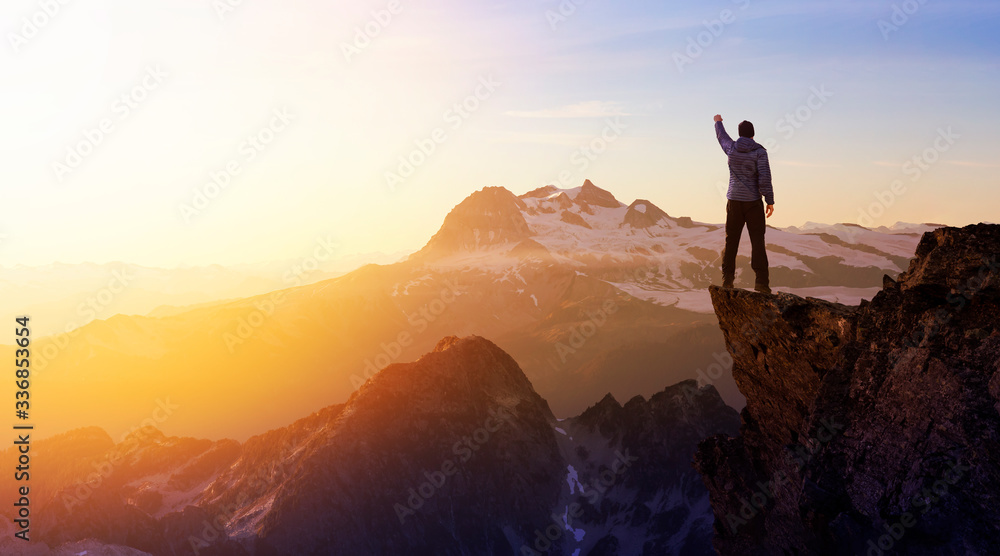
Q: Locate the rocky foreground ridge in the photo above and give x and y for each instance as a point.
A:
(870, 429)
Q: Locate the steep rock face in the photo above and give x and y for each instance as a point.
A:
(871, 429)
(414, 447)
(664, 505)
(643, 214)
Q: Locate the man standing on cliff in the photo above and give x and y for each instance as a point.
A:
(749, 180)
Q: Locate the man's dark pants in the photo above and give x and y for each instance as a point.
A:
(751, 214)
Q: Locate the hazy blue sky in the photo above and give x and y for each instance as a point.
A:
(199, 80)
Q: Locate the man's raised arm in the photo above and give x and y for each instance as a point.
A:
(725, 141)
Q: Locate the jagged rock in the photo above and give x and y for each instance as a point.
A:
(657, 438)
(871, 429)
(592, 195)
(643, 214)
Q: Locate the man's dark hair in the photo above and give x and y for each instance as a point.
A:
(746, 129)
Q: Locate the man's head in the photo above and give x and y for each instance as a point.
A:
(746, 129)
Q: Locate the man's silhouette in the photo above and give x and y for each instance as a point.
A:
(749, 180)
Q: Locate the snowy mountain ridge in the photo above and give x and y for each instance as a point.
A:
(645, 252)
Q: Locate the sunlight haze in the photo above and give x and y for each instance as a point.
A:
(357, 104)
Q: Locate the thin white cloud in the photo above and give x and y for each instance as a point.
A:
(590, 109)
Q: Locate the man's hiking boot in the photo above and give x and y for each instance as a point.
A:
(762, 288)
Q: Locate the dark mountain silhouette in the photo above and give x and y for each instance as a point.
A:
(452, 454)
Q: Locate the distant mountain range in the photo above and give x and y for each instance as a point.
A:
(588, 294)
(61, 296)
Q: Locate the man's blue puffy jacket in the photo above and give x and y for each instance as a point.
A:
(749, 170)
